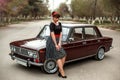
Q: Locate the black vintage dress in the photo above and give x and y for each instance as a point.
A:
(51, 51)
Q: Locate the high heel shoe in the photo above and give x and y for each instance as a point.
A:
(59, 74)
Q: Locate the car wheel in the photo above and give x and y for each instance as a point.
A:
(100, 54)
(50, 66)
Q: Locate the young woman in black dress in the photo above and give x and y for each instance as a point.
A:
(53, 44)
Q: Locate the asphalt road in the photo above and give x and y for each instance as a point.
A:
(87, 69)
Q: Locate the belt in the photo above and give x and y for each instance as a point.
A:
(57, 35)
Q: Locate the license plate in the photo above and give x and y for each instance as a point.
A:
(22, 63)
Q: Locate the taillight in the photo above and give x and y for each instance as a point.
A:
(36, 60)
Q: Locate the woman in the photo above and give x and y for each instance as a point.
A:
(53, 44)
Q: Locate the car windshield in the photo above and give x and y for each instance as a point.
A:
(46, 32)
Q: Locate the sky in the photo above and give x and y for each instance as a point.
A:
(53, 4)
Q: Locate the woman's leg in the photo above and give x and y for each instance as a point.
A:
(63, 60)
(60, 65)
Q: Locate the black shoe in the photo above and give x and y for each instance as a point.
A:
(64, 76)
(59, 74)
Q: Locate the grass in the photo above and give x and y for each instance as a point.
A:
(106, 24)
(3, 24)
(110, 26)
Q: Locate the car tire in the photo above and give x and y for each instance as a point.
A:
(50, 66)
(100, 54)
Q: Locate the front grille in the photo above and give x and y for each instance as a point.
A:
(17, 49)
(21, 51)
(24, 51)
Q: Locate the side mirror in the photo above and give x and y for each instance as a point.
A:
(71, 39)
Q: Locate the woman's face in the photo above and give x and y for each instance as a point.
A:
(55, 19)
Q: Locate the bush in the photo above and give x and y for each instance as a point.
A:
(83, 21)
(106, 21)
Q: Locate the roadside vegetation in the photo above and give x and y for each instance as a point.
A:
(15, 11)
(105, 13)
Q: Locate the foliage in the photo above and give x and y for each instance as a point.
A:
(112, 6)
(23, 7)
(63, 9)
(35, 8)
(87, 8)
(15, 6)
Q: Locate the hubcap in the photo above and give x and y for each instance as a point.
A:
(51, 65)
(101, 53)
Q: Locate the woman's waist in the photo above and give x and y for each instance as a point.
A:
(57, 35)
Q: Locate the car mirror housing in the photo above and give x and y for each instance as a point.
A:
(71, 39)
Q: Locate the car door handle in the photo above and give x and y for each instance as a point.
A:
(84, 43)
(98, 40)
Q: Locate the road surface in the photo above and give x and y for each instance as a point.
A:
(87, 69)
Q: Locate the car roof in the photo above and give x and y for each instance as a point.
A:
(78, 25)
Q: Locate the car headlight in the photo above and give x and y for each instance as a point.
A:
(32, 54)
(12, 48)
(35, 56)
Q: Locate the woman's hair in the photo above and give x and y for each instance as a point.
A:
(55, 14)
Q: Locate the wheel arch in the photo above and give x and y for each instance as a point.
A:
(102, 46)
(96, 55)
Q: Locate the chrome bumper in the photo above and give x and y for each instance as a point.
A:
(111, 47)
(23, 62)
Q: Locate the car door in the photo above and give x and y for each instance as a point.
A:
(75, 47)
(92, 41)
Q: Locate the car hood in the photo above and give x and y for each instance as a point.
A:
(35, 44)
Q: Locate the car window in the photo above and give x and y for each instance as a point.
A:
(46, 32)
(90, 33)
(65, 32)
(77, 34)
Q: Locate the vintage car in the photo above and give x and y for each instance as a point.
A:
(79, 41)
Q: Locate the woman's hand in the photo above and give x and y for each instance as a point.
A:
(57, 47)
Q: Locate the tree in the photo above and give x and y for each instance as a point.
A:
(112, 6)
(63, 9)
(15, 6)
(81, 8)
(43, 10)
(35, 8)
(87, 8)
(116, 4)
(23, 7)
(3, 7)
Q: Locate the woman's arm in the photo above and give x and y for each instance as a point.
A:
(60, 40)
(52, 33)
(54, 40)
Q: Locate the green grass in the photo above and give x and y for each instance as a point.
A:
(105, 24)
(110, 26)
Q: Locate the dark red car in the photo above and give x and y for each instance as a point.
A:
(79, 41)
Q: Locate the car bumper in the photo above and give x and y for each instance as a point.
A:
(23, 62)
(111, 47)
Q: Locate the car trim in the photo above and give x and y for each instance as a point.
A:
(79, 58)
(111, 47)
(29, 63)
